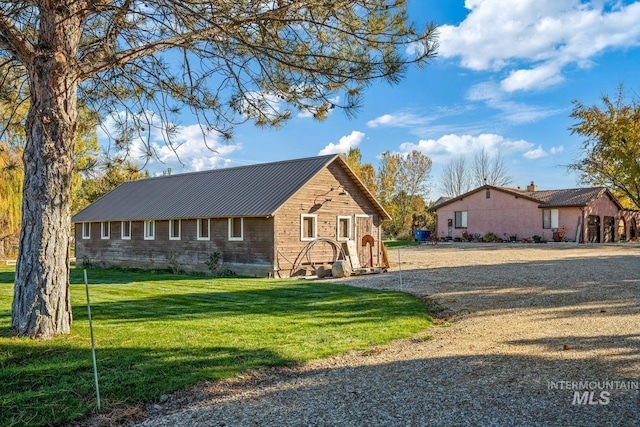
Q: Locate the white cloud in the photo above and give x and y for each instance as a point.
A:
(535, 39)
(192, 148)
(556, 150)
(398, 120)
(538, 153)
(538, 77)
(451, 146)
(346, 142)
(511, 112)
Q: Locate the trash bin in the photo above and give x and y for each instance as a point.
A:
(419, 235)
(426, 235)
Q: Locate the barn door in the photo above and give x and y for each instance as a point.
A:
(593, 230)
(364, 226)
(609, 222)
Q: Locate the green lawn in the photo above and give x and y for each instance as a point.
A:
(157, 333)
(399, 244)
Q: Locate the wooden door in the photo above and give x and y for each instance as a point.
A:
(364, 226)
(608, 229)
(593, 230)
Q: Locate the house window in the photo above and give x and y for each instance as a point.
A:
(86, 230)
(308, 227)
(344, 227)
(488, 194)
(236, 228)
(149, 229)
(125, 230)
(550, 218)
(203, 229)
(461, 219)
(174, 229)
(105, 230)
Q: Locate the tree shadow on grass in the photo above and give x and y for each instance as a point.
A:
(51, 383)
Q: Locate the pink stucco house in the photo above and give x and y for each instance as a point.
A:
(584, 214)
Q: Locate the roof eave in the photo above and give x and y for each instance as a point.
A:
(514, 193)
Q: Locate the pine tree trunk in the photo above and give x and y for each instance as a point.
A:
(41, 306)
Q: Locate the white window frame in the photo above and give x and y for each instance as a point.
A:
(123, 227)
(463, 220)
(338, 234)
(230, 223)
(105, 226)
(314, 218)
(554, 218)
(86, 230)
(172, 233)
(152, 224)
(198, 226)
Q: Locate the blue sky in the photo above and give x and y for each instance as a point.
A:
(503, 80)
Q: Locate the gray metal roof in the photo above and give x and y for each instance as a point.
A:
(246, 191)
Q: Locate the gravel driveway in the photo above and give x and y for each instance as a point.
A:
(531, 332)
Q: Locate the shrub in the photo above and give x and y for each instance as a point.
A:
(215, 267)
(490, 237)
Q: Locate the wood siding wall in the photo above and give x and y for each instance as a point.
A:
(251, 256)
(270, 245)
(316, 198)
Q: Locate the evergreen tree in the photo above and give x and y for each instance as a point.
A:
(144, 62)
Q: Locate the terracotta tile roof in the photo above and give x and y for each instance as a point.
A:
(568, 197)
(572, 197)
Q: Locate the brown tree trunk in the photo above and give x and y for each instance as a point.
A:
(41, 307)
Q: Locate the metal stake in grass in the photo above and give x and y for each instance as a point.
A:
(93, 346)
(400, 271)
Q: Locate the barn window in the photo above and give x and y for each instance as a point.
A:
(344, 227)
(174, 229)
(550, 218)
(203, 228)
(125, 230)
(105, 230)
(149, 229)
(308, 227)
(236, 226)
(461, 219)
(86, 230)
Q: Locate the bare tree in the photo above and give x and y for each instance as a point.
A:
(456, 177)
(489, 170)
(143, 62)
